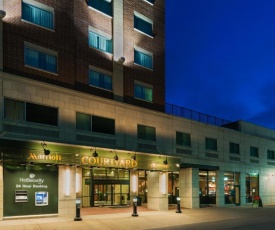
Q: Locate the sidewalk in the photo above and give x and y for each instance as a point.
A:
(121, 218)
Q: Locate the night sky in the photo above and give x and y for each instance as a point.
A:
(220, 58)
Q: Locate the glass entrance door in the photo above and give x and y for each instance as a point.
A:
(110, 194)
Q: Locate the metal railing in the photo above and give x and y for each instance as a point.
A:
(194, 115)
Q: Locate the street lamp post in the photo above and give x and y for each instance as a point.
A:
(178, 205)
(135, 207)
(77, 216)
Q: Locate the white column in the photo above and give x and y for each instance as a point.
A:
(2, 15)
(66, 191)
(189, 188)
(157, 196)
(220, 188)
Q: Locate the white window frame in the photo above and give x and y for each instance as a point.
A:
(147, 53)
(43, 7)
(141, 16)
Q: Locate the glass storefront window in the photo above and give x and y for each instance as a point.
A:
(142, 186)
(207, 185)
(252, 186)
(231, 179)
(173, 187)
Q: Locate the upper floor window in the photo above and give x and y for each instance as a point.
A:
(143, 58)
(104, 6)
(211, 144)
(143, 92)
(37, 13)
(100, 42)
(150, 1)
(183, 139)
(95, 123)
(270, 154)
(146, 133)
(25, 111)
(143, 24)
(254, 152)
(40, 58)
(234, 148)
(100, 80)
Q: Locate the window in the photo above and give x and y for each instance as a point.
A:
(143, 24)
(270, 155)
(183, 139)
(143, 59)
(211, 144)
(254, 152)
(25, 111)
(143, 92)
(99, 42)
(146, 133)
(40, 60)
(93, 123)
(150, 1)
(37, 15)
(104, 6)
(234, 148)
(100, 80)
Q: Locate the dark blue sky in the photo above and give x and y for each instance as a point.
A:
(220, 58)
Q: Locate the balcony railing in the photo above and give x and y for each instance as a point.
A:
(194, 115)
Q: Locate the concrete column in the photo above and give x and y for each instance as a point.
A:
(66, 180)
(243, 188)
(118, 56)
(189, 188)
(220, 188)
(157, 184)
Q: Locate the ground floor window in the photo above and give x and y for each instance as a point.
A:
(207, 187)
(173, 187)
(142, 186)
(252, 186)
(231, 187)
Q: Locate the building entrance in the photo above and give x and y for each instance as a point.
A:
(105, 186)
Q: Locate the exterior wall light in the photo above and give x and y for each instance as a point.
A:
(46, 151)
(95, 154)
(165, 162)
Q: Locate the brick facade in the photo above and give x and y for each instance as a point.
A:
(70, 40)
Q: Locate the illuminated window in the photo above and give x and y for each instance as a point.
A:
(150, 1)
(104, 6)
(37, 13)
(40, 58)
(143, 58)
(143, 24)
(100, 80)
(99, 42)
(143, 92)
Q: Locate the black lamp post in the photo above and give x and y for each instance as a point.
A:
(178, 205)
(135, 207)
(77, 215)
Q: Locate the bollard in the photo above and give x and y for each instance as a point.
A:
(178, 205)
(134, 207)
(77, 215)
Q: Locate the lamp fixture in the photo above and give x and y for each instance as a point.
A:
(134, 157)
(46, 151)
(116, 157)
(95, 154)
(121, 60)
(165, 162)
